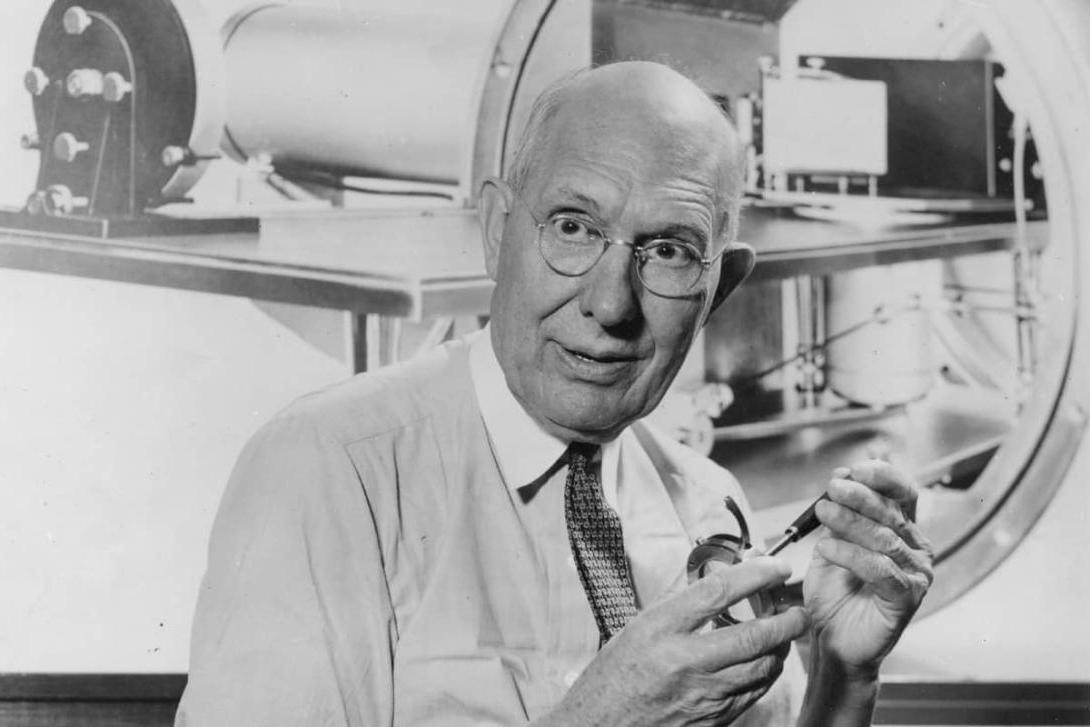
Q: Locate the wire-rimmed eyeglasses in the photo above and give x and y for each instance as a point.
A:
(571, 244)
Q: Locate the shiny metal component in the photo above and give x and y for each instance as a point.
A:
(35, 204)
(60, 200)
(349, 116)
(30, 141)
(35, 81)
(115, 87)
(729, 550)
(76, 20)
(85, 82)
(891, 361)
(172, 156)
(66, 147)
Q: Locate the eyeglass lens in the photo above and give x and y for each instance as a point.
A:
(665, 267)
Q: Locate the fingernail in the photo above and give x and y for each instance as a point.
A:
(842, 473)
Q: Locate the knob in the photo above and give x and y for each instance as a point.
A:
(30, 141)
(172, 155)
(35, 81)
(67, 147)
(115, 87)
(76, 20)
(85, 82)
(35, 203)
(59, 198)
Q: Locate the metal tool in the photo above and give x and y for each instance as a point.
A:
(801, 526)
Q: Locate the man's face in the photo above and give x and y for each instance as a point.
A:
(588, 355)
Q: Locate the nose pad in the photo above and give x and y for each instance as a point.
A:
(611, 289)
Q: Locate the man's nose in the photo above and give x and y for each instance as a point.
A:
(611, 288)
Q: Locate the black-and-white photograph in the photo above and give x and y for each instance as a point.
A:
(564, 363)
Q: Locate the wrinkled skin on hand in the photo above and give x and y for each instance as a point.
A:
(871, 567)
(664, 668)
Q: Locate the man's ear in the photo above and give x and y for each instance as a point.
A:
(735, 265)
(493, 205)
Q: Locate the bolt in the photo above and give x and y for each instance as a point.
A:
(35, 203)
(114, 87)
(59, 198)
(67, 147)
(30, 141)
(35, 81)
(76, 20)
(85, 82)
(815, 62)
(172, 156)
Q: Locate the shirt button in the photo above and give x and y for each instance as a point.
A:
(570, 678)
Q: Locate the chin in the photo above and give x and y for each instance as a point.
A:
(592, 422)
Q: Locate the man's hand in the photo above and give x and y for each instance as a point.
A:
(663, 669)
(871, 569)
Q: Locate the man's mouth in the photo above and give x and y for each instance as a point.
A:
(602, 358)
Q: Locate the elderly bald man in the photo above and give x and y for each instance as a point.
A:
(489, 534)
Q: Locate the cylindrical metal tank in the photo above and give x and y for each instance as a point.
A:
(384, 89)
(888, 360)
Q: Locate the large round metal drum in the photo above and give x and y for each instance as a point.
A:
(383, 89)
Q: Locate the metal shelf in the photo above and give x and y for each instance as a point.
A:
(424, 262)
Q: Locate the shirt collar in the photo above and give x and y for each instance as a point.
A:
(523, 450)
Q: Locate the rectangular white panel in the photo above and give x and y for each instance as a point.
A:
(824, 126)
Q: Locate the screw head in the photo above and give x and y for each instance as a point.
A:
(115, 87)
(35, 81)
(173, 155)
(35, 203)
(76, 20)
(85, 82)
(59, 198)
(66, 147)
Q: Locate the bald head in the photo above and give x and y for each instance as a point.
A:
(640, 108)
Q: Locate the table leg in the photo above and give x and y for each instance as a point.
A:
(375, 341)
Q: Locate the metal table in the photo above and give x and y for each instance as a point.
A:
(387, 265)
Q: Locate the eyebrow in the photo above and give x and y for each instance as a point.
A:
(678, 231)
(675, 230)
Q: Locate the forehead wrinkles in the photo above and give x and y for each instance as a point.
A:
(657, 182)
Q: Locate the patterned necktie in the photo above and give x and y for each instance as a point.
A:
(594, 532)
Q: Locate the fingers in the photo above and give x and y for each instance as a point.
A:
(691, 608)
(889, 580)
(752, 641)
(887, 480)
(881, 493)
(889, 534)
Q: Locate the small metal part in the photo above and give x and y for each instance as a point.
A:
(35, 203)
(76, 20)
(172, 156)
(85, 82)
(802, 526)
(60, 200)
(30, 141)
(115, 87)
(66, 147)
(728, 550)
(35, 81)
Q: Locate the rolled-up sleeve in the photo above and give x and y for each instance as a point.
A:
(293, 623)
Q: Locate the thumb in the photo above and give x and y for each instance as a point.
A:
(692, 607)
